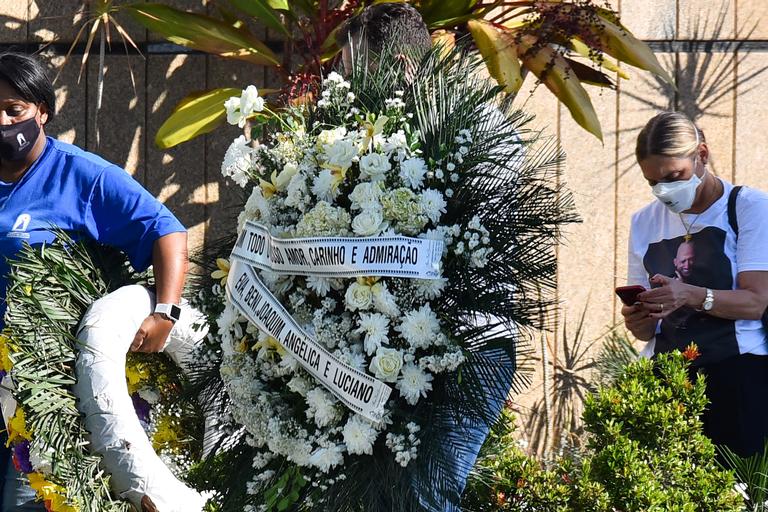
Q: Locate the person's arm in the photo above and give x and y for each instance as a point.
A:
(637, 319)
(748, 302)
(170, 264)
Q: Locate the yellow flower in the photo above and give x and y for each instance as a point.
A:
(136, 374)
(242, 346)
(223, 271)
(278, 181)
(18, 428)
(269, 345)
(372, 127)
(53, 495)
(5, 354)
(165, 435)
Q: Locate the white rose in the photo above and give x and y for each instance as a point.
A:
(358, 296)
(366, 196)
(374, 166)
(368, 223)
(386, 364)
(341, 153)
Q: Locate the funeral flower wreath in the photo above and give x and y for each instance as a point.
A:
(382, 277)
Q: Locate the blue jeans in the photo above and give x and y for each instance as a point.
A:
(17, 495)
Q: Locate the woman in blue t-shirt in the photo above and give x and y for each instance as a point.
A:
(44, 183)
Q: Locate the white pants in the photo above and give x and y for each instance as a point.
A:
(106, 332)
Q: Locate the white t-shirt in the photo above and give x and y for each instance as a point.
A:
(712, 259)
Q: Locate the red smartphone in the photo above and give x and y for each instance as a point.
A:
(628, 294)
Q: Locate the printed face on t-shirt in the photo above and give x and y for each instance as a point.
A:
(699, 260)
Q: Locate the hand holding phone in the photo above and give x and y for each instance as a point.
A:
(628, 294)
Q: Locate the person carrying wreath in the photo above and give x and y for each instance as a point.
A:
(719, 305)
(45, 184)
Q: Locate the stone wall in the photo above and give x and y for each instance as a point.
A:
(717, 50)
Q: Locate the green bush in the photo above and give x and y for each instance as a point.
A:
(645, 452)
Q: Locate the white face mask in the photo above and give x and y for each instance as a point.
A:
(678, 196)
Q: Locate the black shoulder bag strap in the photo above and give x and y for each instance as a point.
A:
(734, 223)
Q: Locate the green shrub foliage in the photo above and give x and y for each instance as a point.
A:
(645, 451)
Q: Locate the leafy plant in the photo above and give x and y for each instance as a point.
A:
(615, 355)
(752, 475)
(646, 451)
(565, 44)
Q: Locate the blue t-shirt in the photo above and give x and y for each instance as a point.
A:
(86, 196)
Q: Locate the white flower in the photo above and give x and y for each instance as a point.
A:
(250, 101)
(374, 166)
(358, 296)
(333, 78)
(238, 161)
(395, 141)
(386, 364)
(366, 196)
(384, 301)
(412, 172)
(257, 207)
(375, 326)
(430, 288)
(359, 436)
(328, 137)
(234, 116)
(321, 407)
(340, 154)
(299, 385)
(326, 186)
(433, 204)
(320, 285)
(150, 395)
(420, 327)
(296, 195)
(282, 180)
(450, 166)
(414, 383)
(368, 223)
(326, 458)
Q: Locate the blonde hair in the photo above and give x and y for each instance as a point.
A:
(668, 134)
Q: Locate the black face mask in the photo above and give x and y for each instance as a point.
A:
(17, 140)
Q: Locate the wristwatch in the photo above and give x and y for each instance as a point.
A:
(709, 301)
(170, 311)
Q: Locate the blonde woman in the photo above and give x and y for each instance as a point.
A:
(719, 305)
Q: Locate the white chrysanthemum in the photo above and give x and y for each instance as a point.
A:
(340, 154)
(321, 407)
(414, 383)
(374, 166)
(359, 436)
(412, 172)
(368, 223)
(326, 458)
(433, 204)
(419, 327)
(358, 296)
(354, 359)
(386, 364)
(320, 285)
(430, 288)
(395, 141)
(366, 196)
(238, 161)
(384, 301)
(375, 326)
(326, 186)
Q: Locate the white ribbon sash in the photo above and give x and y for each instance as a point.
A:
(357, 390)
(391, 256)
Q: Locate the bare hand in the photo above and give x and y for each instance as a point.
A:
(636, 317)
(152, 334)
(671, 295)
